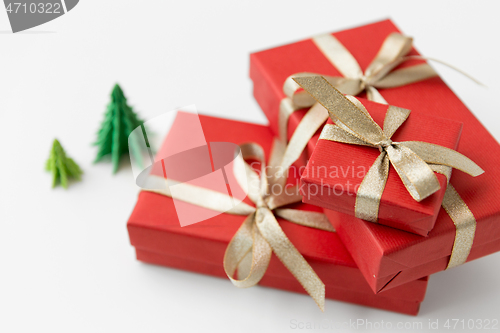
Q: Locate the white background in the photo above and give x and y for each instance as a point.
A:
(66, 261)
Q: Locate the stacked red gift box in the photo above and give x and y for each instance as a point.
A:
(381, 242)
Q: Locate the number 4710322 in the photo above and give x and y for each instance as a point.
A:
(41, 8)
(471, 324)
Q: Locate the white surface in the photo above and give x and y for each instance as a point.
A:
(67, 265)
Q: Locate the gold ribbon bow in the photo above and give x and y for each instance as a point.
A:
(379, 74)
(354, 125)
(250, 249)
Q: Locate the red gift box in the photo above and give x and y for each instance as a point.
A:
(389, 257)
(335, 171)
(155, 232)
(270, 68)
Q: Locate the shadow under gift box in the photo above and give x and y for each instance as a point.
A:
(386, 256)
(335, 171)
(155, 231)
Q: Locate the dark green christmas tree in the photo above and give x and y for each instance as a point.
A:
(119, 121)
(61, 166)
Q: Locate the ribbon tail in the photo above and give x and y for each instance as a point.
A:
(311, 122)
(435, 154)
(404, 76)
(417, 176)
(373, 95)
(299, 99)
(371, 189)
(247, 239)
(470, 77)
(289, 256)
(465, 224)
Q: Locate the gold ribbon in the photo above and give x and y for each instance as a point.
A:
(250, 249)
(379, 74)
(465, 225)
(354, 125)
(462, 218)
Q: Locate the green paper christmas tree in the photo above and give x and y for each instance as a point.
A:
(61, 166)
(119, 121)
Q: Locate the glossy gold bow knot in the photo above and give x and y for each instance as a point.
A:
(250, 249)
(354, 125)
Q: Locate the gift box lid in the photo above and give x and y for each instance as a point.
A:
(335, 171)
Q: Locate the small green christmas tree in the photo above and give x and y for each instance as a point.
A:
(119, 121)
(61, 166)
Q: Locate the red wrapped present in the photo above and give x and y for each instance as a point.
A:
(389, 257)
(156, 233)
(337, 171)
(375, 61)
(352, 62)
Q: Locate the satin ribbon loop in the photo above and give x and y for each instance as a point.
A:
(247, 240)
(267, 225)
(354, 125)
(390, 55)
